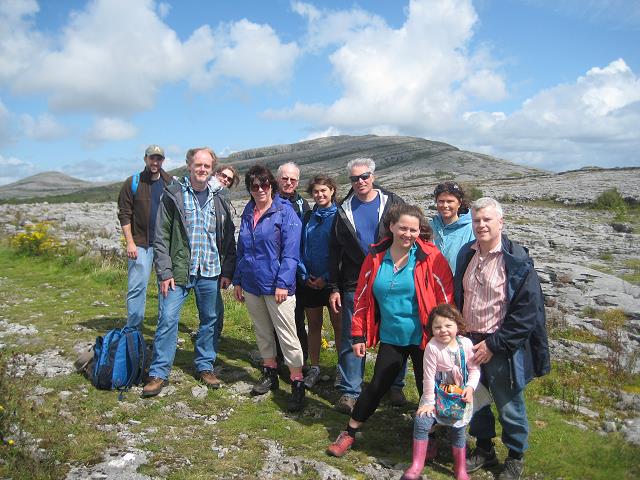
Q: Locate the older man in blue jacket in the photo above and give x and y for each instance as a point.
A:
(499, 294)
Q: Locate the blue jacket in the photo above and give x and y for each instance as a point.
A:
(450, 238)
(268, 256)
(316, 235)
(522, 336)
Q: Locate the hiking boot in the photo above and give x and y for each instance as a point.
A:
(345, 404)
(397, 398)
(296, 400)
(481, 458)
(341, 445)
(338, 379)
(513, 468)
(210, 379)
(153, 387)
(312, 377)
(268, 381)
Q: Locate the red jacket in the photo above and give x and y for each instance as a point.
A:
(434, 285)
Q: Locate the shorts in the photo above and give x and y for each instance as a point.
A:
(312, 298)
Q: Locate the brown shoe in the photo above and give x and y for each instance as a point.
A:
(153, 387)
(345, 404)
(209, 379)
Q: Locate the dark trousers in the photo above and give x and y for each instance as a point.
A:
(301, 332)
(389, 362)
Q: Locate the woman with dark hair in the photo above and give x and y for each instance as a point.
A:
(452, 224)
(313, 269)
(265, 279)
(401, 280)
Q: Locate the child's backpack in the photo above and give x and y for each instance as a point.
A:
(119, 360)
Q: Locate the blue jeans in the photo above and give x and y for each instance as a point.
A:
(219, 322)
(510, 404)
(137, 280)
(164, 344)
(351, 368)
(422, 425)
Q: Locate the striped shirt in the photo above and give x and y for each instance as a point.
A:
(485, 291)
(201, 230)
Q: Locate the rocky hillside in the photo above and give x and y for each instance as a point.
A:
(42, 185)
(400, 160)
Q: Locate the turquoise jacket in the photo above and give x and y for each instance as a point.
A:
(450, 238)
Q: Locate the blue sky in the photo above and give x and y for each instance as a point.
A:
(85, 86)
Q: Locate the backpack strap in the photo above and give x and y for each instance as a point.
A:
(135, 181)
(463, 363)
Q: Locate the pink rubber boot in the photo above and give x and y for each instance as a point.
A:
(414, 472)
(460, 463)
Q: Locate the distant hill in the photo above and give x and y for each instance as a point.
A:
(400, 161)
(42, 185)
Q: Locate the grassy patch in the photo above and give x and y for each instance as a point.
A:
(73, 299)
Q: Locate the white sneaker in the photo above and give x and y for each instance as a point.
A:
(312, 376)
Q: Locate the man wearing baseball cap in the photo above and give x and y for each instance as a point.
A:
(137, 207)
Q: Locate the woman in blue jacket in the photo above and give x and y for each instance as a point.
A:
(313, 269)
(265, 279)
(452, 224)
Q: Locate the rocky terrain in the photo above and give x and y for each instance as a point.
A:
(581, 256)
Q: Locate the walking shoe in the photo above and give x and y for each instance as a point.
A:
(209, 379)
(153, 387)
(481, 458)
(296, 400)
(341, 445)
(345, 404)
(513, 468)
(338, 380)
(268, 381)
(312, 376)
(396, 397)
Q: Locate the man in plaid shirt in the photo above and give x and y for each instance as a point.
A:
(194, 250)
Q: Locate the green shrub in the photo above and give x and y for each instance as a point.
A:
(612, 200)
(35, 241)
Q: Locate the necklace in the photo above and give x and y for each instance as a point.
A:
(400, 262)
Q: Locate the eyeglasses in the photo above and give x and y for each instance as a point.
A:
(362, 176)
(289, 179)
(448, 187)
(255, 187)
(225, 177)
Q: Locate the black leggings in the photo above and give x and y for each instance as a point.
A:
(388, 365)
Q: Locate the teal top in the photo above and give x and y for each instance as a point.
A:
(395, 293)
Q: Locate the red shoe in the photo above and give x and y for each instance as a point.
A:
(341, 445)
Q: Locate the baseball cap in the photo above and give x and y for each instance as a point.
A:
(154, 150)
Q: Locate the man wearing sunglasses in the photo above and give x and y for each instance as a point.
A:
(357, 225)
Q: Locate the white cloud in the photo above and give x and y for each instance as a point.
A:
(44, 127)
(13, 169)
(592, 121)
(5, 133)
(414, 78)
(114, 56)
(328, 132)
(110, 129)
(249, 52)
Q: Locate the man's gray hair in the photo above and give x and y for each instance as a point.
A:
(484, 202)
(192, 153)
(285, 166)
(361, 162)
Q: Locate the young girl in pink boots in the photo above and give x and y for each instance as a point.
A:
(442, 359)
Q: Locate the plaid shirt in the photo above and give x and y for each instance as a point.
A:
(201, 230)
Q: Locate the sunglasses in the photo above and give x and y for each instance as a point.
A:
(362, 176)
(224, 177)
(449, 187)
(289, 179)
(255, 187)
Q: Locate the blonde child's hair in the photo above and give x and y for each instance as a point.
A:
(449, 311)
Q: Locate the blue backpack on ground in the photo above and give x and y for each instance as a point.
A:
(119, 360)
